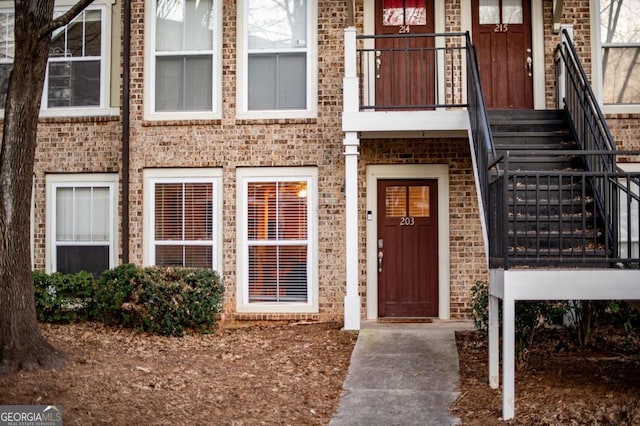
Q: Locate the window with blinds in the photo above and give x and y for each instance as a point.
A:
(278, 43)
(183, 224)
(83, 229)
(184, 55)
(277, 239)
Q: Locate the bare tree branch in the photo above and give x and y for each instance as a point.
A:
(65, 18)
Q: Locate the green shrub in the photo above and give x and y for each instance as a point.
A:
(170, 300)
(63, 297)
(586, 317)
(530, 316)
(480, 305)
(115, 290)
(160, 300)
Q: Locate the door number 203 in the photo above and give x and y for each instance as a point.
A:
(407, 221)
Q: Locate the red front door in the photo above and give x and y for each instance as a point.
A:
(502, 37)
(405, 64)
(407, 248)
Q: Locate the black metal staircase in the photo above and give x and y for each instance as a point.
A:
(551, 216)
(551, 192)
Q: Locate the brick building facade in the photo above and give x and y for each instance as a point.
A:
(236, 156)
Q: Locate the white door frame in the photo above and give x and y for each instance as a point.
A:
(439, 172)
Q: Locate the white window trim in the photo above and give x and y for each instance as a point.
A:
(154, 176)
(55, 181)
(150, 70)
(275, 174)
(596, 66)
(242, 96)
(103, 109)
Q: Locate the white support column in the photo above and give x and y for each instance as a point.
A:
(494, 342)
(352, 299)
(350, 96)
(508, 356)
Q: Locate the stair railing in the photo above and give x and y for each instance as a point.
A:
(581, 105)
(588, 124)
(481, 138)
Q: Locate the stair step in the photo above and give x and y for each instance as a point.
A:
(542, 228)
(519, 146)
(543, 159)
(577, 217)
(545, 202)
(531, 134)
(577, 234)
(565, 188)
(515, 114)
(527, 120)
(530, 126)
(556, 252)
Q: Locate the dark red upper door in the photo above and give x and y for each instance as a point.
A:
(502, 37)
(405, 65)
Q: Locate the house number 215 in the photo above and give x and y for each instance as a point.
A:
(407, 221)
(501, 28)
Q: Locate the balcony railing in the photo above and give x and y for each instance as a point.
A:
(411, 71)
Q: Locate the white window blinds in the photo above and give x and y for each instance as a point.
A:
(183, 231)
(277, 228)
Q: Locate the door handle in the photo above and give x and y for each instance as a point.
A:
(529, 66)
(378, 64)
(380, 256)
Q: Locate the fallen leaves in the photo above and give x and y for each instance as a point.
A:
(263, 374)
(557, 386)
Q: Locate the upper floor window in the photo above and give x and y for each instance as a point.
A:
(77, 76)
(277, 58)
(184, 60)
(620, 50)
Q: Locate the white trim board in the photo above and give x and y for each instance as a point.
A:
(565, 284)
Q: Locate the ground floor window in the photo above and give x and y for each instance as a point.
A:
(182, 207)
(81, 222)
(277, 238)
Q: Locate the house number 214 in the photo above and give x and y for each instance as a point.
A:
(407, 221)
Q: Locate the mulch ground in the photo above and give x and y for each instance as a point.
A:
(558, 384)
(293, 374)
(259, 375)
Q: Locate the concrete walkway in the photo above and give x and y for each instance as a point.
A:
(402, 374)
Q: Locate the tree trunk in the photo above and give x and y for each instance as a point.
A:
(22, 347)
